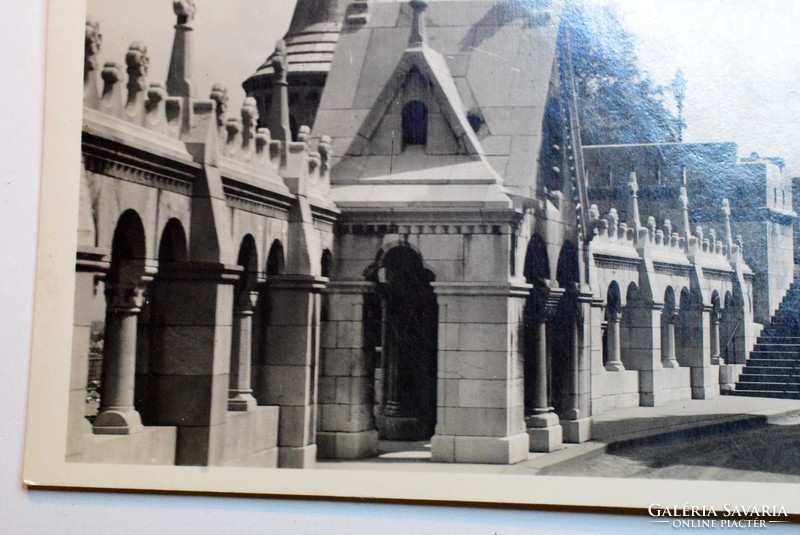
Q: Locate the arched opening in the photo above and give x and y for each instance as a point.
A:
(124, 299)
(245, 298)
(162, 308)
(687, 329)
(326, 264)
(730, 328)
(714, 327)
(668, 314)
(263, 311)
(564, 339)
(537, 272)
(612, 350)
(276, 259)
(409, 333)
(631, 320)
(415, 123)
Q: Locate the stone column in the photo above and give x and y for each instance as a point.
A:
(117, 415)
(290, 374)
(543, 425)
(241, 392)
(614, 363)
(715, 354)
(480, 415)
(346, 404)
(668, 359)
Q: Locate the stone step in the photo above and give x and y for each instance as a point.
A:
(780, 348)
(765, 377)
(770, 370)
(765, 394)
(768, 387)
(773, 363)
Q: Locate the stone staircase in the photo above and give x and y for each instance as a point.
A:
(773, 369)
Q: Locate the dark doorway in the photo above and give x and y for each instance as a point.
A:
(410, 340)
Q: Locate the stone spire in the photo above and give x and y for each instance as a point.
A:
(278, 119)
(633, 184)
(179, 78)
(418, 23)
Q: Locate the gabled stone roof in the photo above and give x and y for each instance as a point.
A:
(491, 59)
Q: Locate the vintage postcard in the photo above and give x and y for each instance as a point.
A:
(512, 251)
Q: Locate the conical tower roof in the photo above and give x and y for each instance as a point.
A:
(310, 41)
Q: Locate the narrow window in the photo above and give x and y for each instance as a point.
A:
(415, 123)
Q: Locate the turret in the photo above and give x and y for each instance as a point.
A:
(310, 43)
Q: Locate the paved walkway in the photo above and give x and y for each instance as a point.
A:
(692, 418)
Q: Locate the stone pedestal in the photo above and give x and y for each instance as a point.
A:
(544, 431)
(480, 417)
(290, 375)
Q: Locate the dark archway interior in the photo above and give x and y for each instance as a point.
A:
(410, 343)
(536, 271)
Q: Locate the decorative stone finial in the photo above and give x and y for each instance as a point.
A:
(594, 212)
(219, 94)
(138, 64)
(279, 63)
(249, 120)
(185, 10)
(418, 23)
(93, 43)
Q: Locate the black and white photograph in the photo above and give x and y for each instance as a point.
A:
(461, 250)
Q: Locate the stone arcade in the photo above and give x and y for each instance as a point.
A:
(435, 256)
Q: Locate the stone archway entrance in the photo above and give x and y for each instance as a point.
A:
(409, 341)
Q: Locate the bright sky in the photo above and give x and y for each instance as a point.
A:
(740, 57)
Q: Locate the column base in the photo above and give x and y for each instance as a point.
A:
(403, 427)
(118, 422)
(484, 450)
(342, 445)
(544, 432)
(577, 431)
(299, 457)
(614, 366)
(242, 403)
(671, 363)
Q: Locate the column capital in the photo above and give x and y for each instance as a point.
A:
(350, 287)
(125, 298)
(510, 289)
(297, 282)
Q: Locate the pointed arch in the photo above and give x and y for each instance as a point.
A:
(276, 259)
(172, 247)
(537, 263)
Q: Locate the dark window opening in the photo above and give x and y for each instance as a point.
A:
(415, 123)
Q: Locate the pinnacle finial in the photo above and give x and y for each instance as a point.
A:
(185, 10)
(418, 23)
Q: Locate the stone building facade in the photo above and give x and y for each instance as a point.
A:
(435, 256)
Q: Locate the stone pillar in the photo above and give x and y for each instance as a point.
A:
(347, 424)
(241, 391)
(545, 433)
(577, 422)
(190, 378)
(117, 415)
(668, 359)
(290, 374)
(704, 375)
(614, 363)
(480, 415)
(715, 347)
